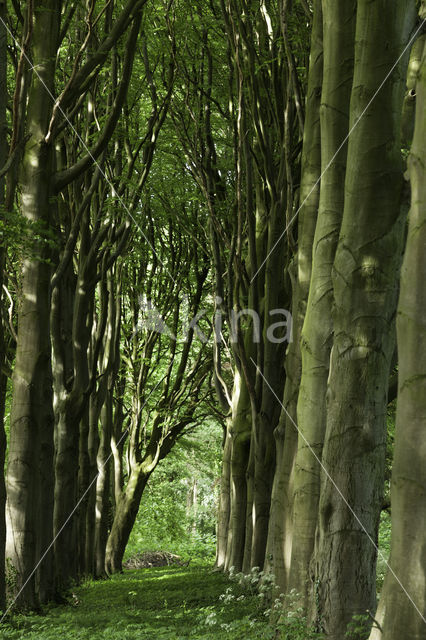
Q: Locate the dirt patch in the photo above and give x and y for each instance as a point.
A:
(149, 559)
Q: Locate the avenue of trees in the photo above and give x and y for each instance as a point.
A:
(213, 212)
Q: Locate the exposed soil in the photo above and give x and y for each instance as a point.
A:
(149, 559)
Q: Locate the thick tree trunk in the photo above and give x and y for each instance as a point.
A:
(397, 614)
(125, 517)
(45, 577)
(3, 377)
(317, 334)
(32, 410)
(365, 276)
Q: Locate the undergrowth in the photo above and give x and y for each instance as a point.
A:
(164, 603)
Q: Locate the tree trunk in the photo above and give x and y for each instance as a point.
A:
(66, 470)
(45, 577)
(397, 615)
(93, 446)
(280, 529)
(365, 276)
(83, 484)
(124, 520)
(32, 409)
(240, 435)
(3, 378)
(71, 437)
(247, 565)
(103, 486)
(317, 333)
(224, 501)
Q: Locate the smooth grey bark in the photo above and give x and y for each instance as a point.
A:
(280, 535)
(72, 402)
(397, 615)
(32, 409)
(103, 486)
(240, 445)
(92, 450)
(365, 279)
(224, 500)
(3, 378)
(247, 564)
(124, 519)
(266, 417)
(338, 32)
(111, 363)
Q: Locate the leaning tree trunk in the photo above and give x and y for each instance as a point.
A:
(32, 412)
(125, 516)
(365, 279)
(404, 589)
(317, 333)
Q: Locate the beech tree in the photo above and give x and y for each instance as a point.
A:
(155, 322)
(226, 162)
(3, 378)
(402, 602)
(43, 175)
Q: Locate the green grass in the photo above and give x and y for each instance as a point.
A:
(160, 603)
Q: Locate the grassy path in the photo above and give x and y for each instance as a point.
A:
(149, 604)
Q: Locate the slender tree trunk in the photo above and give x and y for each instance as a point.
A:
(71, 439)
(240, 435)
(224, 500)
(93, 446)
(397, 614)
(103, 485)
(248, 538)
(280, 538)
(83, 484)
(32, 409)
(365, 276)
(117, 447)
(66, 549)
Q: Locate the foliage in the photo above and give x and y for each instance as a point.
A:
(165, 519)
(385, 517)
(167, 603)
(384, 548)
(283, 613)
(11, 580)
(359, 628)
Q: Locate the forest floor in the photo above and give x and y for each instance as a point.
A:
(159, 603)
